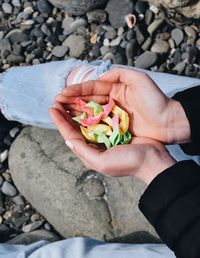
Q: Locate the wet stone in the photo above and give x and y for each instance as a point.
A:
(160, 47)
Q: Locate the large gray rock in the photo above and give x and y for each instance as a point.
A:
(77, 7)
(77, 202)
(187, 8)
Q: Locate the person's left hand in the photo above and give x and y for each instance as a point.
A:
(144, 158)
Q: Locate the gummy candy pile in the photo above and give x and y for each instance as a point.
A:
(106, 124)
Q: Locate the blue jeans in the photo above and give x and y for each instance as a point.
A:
(85, 248)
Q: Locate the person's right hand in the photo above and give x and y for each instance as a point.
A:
(152, 114)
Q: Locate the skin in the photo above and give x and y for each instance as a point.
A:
(152, 114)
(154, 118)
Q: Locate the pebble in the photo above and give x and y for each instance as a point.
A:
(19, 221)
(120, 31)
(115, 42)
(190, 32)
(16, 3)
(148, 16)
(192, 54)
(131, 50)
(171, 43)
(146, 60)
(177, 57)
(15, 59)
(60, 51)
(19, 200)
(177, 36)
(155, 25)
(198, 43)
(1, 180)
(140, 7)
(97, 15)
(146, 45)
(32, 226)
(111, 34)
(140, 35)
(7, 215)
(5, 45)
(8, 189)
(70, 25)
(180, 67)
(160, 47)
(35, 217)
(7, 8)
(8, 140)
(104, 50)
(17, 36)
(47, 226)
(106, 42)
(117, 11)
(14, 131)
(1, 220)
(3, 156)
(76, 44)
(130, 34)
(44, 6)
(1, 34)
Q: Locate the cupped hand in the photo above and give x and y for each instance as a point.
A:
(152, 114)
(144, 158)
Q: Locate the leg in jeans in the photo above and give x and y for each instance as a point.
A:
(85, 248)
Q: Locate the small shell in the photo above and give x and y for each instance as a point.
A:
(130, 20)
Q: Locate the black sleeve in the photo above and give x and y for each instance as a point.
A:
(171, 203)
(190, 101)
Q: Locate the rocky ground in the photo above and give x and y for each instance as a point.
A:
(33, 32)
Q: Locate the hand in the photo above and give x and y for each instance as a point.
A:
(152, 114)
(143, 158)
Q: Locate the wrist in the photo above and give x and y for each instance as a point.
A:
(158, 161)
(178, 127)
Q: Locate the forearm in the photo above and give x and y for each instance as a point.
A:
(171, 205)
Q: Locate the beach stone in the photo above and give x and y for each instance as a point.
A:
(177, 36)
(44, 6)
(187, 8)
(77, 7)
(73, 199)
(160, 47)
(97, 15)
(8, 189)
(32, 226)
(190, 32)
(146, 60)
(16, 3)
(7, 8)
(59, 51)
(117, 10)
(76, 45)
(17, 36)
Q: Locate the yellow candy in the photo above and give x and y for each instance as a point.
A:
(107, 120)
(89, 135)
(124, 119)
(105, 129)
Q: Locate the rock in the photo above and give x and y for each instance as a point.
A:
(180, 67)
(187, 8)
(32, 226)
(97, 15)
(74, 200)
(104, 50)
(7, 8)
(33, 237)
(190, 32)
(155, 25)
(1, 182)
(146, 45)
(70, 25)
(3, 156)
(140, 34)
(146, 60)
(116, 42)
(60, 51)
(5, 45)
(148, 16)
(77, 7)
(177, 36)
(19, 200)
(160, 47)
(76, 44)
(192, 54)
(17, 36)
(131, 50)
(140, 6)
(44, 7)
(111, 34)
(35, 217)
(8, 189)
(117, 11)
(15, 59)
(14, 131)
(16, 3)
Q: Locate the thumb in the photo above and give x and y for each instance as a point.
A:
(124, 75)
(85, 152)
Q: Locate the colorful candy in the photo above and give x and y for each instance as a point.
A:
(106, 124)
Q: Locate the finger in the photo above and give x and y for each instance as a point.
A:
(60, 107)
(89, 88)
(75, 113)
(124, 75)
(66, 126)
(70, 100)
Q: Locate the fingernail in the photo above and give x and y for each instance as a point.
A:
(69, 144)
